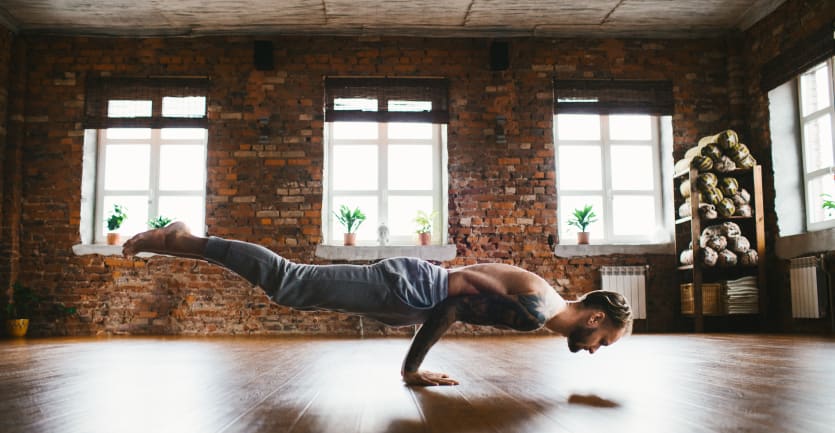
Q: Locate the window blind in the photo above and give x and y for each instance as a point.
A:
(613, 97)
(101, 90)
(384, 90)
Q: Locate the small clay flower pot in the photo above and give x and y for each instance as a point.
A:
(113, 238)
(425, 238)
(350, 239)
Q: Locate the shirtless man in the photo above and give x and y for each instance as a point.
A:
(407, 291)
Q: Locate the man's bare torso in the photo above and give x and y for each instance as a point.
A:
(495, 278)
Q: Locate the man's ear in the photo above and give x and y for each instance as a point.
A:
(596, 318)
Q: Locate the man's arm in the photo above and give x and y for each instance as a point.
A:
(520, 312)
(441, 318)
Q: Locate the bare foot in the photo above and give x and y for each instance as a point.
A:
(174, 239)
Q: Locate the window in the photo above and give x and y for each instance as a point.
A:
(145, 150)
(799, 83)
(609, 136)
(612, 163)
(151, 172)
(817, 117)
(385, 155)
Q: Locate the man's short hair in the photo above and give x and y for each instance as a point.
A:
(613, 304)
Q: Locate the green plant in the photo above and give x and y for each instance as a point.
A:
(22, 302)
(60, 313)
(62, 310)
(828, 203)
(349, 219)
(424, 221)
(117, 217)
(159, 222)
(582, 218)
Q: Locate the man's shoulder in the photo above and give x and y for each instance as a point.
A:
(528, 283)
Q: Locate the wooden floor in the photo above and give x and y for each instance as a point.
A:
(646, 383)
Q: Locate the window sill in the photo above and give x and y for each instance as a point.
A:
(102, 250)
(361, 253)
(607, 250)
(805, 244)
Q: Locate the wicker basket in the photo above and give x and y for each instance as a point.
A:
(713, 299)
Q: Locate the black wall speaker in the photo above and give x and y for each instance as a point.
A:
(499, 56)
(263, 57)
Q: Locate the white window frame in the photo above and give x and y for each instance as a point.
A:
(607, 192)
(808, 177)
(153, 192)
(382, 142)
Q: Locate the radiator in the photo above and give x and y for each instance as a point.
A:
(629, 281)
(807, 288)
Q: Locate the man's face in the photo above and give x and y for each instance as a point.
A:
(590, 337)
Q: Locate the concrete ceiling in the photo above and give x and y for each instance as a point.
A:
(426, 18)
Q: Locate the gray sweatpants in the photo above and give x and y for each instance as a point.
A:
(399, 291)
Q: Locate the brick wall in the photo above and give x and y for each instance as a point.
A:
(265, 165)
(7, 159)
(772, 36)
(5, 57)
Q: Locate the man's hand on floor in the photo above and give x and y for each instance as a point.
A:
(427, 378)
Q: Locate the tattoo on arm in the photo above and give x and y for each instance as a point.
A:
(519, 312)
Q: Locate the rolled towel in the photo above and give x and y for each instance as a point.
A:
(739, 244)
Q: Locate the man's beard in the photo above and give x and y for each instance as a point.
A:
(578, 337)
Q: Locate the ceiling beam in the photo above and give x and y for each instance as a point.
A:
(609, 14)
(467, 13)
(757, 11)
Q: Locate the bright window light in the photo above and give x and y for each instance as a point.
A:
(188, 106)
(355, 104)
(355, 130)
(630, 127)
(578, 127)
(123, 108)
(410, 105)
(354, 167)
(410, 167)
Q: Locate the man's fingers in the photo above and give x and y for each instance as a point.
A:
(428, 378)
(441, 379)
(447, 381)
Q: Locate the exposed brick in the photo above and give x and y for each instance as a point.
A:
(774, 35)
(265, 160)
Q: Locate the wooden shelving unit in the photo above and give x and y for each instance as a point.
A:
(689, 229)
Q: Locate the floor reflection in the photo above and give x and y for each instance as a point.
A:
(120, 386)
(449, 410)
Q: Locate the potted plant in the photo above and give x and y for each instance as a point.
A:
(424, 223)
(828, 204)
(60, 314)
(114, 221)
(351, 220)
(159, 222)
(581, 219)
(19, 310)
